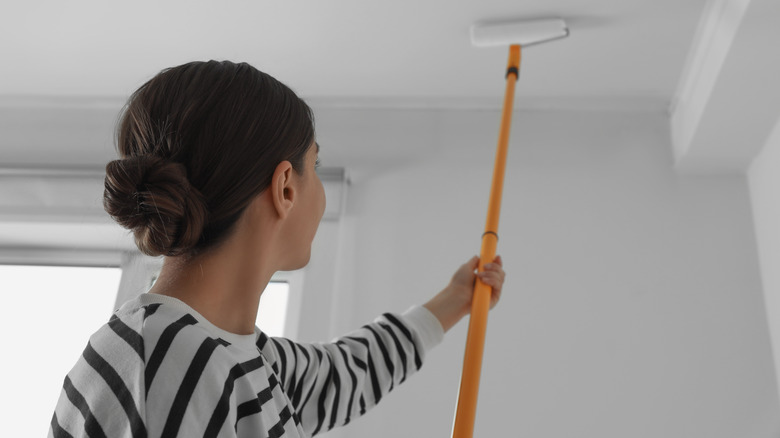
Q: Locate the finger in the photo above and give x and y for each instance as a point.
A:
(498, 260)
(499, 272)
(495, 298)
(491, 279)
(494, 267)
(473, 263)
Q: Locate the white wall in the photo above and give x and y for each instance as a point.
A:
(764, 180)
(633, 303)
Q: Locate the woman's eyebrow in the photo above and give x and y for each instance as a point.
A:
(318, 147)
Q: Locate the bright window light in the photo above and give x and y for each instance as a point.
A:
(50, 313)
(272, 312)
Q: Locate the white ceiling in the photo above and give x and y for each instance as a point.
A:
(67, 67)
(349, 50)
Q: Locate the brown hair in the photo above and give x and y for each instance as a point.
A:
(197, 143)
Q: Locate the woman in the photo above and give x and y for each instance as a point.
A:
(217, 173)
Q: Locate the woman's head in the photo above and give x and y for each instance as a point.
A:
(198, 143)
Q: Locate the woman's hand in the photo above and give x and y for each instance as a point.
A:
(454, 302)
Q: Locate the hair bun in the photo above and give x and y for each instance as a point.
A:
(153, 198)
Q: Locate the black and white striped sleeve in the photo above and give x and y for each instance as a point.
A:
(331, 384)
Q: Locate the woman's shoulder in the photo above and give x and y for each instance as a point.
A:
(151, 331)
(107, 380)
(138, 364)
(121, 336)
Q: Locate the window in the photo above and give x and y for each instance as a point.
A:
(272, 311)
(50, 312)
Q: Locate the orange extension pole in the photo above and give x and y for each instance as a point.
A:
(475, 342)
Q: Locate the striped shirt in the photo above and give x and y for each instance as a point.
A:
(159, 369)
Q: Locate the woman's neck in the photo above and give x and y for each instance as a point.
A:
(223, 286)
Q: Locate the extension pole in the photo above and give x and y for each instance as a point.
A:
(480, 305)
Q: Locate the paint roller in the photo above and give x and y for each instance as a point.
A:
(514, 34)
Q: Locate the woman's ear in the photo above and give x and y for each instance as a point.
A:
(282, 189)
